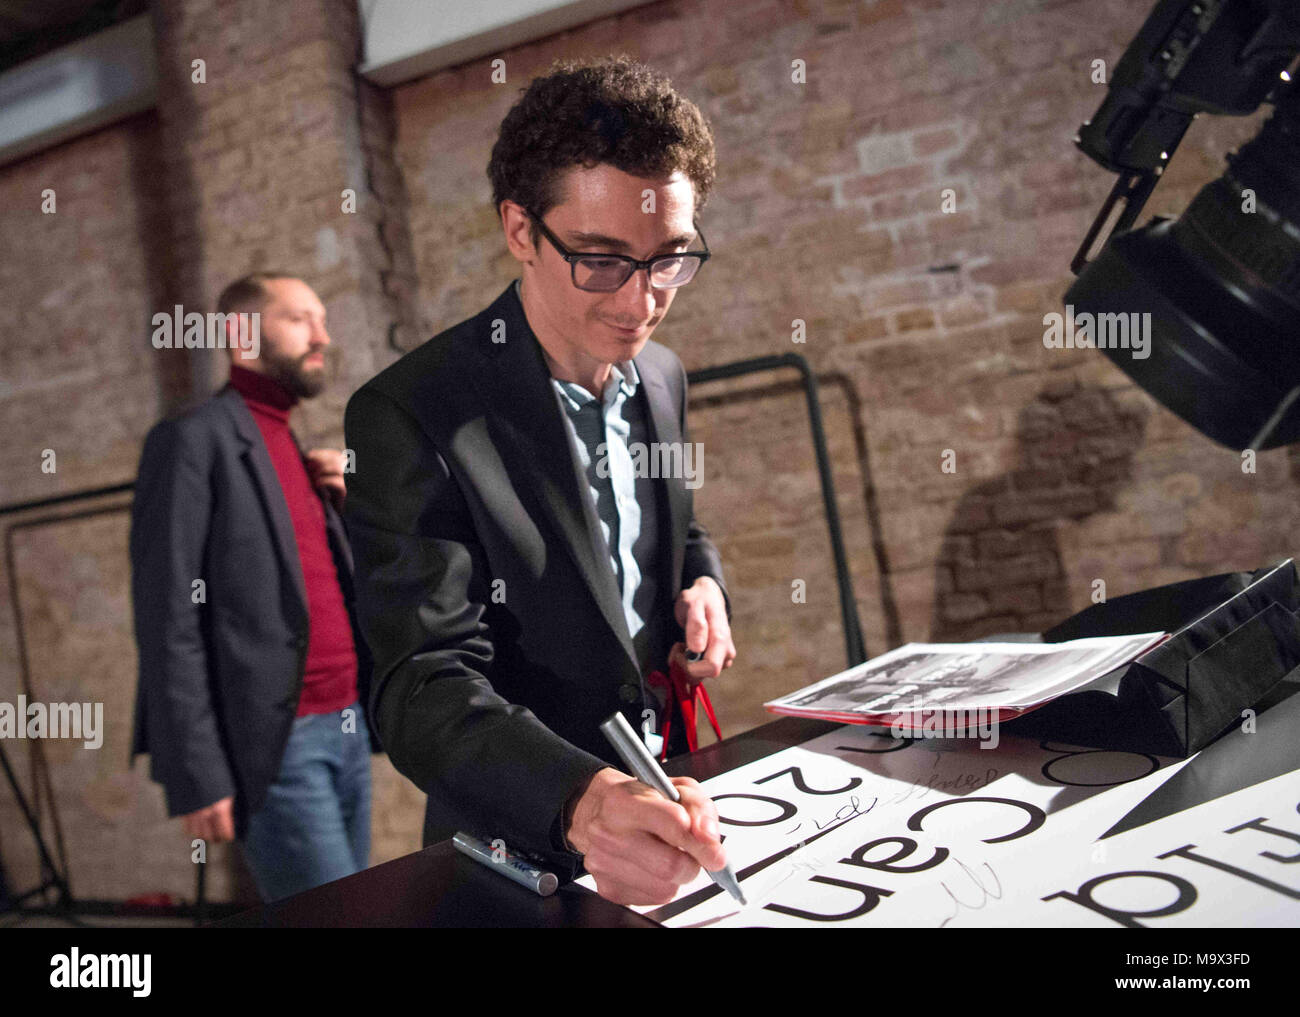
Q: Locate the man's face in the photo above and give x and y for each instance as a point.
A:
(600, 212)
(293, 338)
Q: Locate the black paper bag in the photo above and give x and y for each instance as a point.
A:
(1236, 638)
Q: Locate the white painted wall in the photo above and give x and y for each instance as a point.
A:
(407, 39)
(77, 88)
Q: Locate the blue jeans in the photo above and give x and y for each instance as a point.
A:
(315, 825)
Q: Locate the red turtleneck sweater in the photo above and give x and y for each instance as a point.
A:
(330, 680)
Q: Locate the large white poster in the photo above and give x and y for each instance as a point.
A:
(857, 829)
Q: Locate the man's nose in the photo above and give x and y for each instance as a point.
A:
(636, 298)
(319, 336)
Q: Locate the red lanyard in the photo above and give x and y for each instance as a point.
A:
(678, 686)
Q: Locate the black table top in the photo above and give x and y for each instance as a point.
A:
(440, 888)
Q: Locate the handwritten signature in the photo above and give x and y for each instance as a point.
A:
(957, 784)
(847, 811)
(983, 889)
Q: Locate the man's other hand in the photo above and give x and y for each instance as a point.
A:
(640, 847)
(215, 823)
(325, 467)
(701, 611)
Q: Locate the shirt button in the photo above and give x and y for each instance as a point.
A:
(629, 693)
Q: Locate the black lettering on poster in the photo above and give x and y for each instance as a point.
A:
(906, 847)
(870, 898)
(787, 810)
(1185, 899)
(796, 775)
(1186, 852)
(1070, 753)
(1258, 824)
(1037, 817)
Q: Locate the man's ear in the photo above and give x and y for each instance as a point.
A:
(232, 326)
(518, 229)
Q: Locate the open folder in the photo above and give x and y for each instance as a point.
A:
(1163, 671)
(908, 687)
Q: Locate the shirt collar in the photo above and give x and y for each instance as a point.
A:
(628, 379)
(623, 379)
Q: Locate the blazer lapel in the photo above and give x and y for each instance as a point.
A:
(336, 535)
(267, 482)
(665, 427)
(529, 432)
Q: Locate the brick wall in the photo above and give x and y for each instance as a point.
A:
(243, 170)
(924, 328)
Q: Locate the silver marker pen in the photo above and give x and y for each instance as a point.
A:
(633, 752)
(512, 866)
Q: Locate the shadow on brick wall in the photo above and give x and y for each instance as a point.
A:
(1000, 567)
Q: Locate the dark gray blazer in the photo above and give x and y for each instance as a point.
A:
(483, 583)
(220, 680)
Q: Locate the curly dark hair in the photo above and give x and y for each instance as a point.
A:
(583, 113)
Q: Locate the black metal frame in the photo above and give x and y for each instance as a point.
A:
(573, 257)
(56, 875)
(854, 648)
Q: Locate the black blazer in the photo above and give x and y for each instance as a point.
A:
(220, 681)
(483, 582)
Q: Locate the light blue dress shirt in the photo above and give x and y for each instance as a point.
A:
(603, 432)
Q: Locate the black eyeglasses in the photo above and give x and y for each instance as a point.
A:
(605, 273)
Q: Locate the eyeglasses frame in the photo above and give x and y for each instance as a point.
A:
(572, 257)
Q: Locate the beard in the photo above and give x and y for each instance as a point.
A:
(303, 382)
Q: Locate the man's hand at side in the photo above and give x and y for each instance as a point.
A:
(701, 611)
(640, 847)
(214, 823)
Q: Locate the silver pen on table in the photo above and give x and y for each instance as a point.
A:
(512, 866)
(637, 757)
